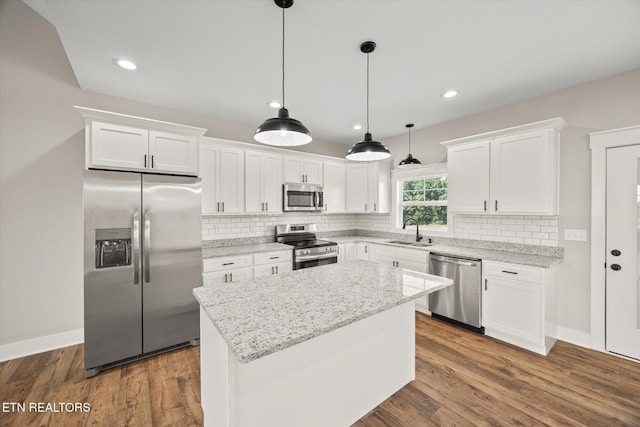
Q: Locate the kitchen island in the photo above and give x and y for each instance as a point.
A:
(314, 347)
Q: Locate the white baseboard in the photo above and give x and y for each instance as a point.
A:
(38, 345)
(572, 336)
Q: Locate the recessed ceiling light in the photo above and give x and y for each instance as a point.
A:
(126, 64)
(275, 104)
(449, 94)
(357, 127)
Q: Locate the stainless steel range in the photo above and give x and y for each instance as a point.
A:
(308, 251)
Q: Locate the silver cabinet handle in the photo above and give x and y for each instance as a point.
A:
(226, 277)
(274, 257)
(262, 206)
(231, 277)
(509, 272)
(267, 206)
(496, 206)
(152, 156)
(375, 207)
(228, 263)
(313, 257)
(218, 207)
(276, 269)
(366, 248)
(145, 160)
(222, 206)
(272, 270)
(146, 266)
(485, 284)
(136, 246)
(485, 205)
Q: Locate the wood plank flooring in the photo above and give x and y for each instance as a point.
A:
(462, 379)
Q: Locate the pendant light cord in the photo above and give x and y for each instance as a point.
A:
(367, 92)
(283, 104)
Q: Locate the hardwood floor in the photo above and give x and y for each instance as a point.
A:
(462, 379)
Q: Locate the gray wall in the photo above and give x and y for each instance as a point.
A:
(42, 157)
(608, 103)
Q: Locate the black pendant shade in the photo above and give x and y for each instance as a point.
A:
(409, 160)
(368, 149)
(282, 130)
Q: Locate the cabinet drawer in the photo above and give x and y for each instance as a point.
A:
(226, 263)
(513, 271)
(227, 276)
(272, 257)
(412, 255)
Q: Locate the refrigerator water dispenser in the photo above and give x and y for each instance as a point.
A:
(113, 247)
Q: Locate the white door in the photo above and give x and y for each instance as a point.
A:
(173, 153)
(272, 182)
(231, 180)
(623, 251)
(254, 172)
(357, 187)
(468, 177)
(334, 187)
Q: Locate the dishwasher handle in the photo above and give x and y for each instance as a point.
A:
(453, 260)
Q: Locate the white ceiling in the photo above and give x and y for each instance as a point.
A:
(223, 57)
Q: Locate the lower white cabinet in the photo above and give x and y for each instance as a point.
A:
(362, 250)
(243, 267)
(347, 251)
(518, 305)
(227, 269)
(268, 263)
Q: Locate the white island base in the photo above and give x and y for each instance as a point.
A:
(330, 380)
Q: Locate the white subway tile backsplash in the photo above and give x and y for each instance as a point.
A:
(523, 229)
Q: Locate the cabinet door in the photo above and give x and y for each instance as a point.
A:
(254, 202)
(272, 183)
(524, 174)
(350, 251)
(293, 169)
(373, 193)
(312, 171)
(468, 177)
(357, 187)
(362, 251)
(209, 161)
(119, 147)
(513, 308)
(231, 195)
(173, 153)
(334, 187)
(227, 276)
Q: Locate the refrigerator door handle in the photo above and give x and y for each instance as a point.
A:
(136, 246)
(147, 245)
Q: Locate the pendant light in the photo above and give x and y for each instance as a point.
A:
(368, 149)
(410, 160)
(283, 130)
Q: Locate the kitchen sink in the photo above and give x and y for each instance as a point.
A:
(404, 242)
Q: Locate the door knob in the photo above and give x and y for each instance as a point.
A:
(616, 267)
(615, 252)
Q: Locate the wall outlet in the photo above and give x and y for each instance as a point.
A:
(576, 235)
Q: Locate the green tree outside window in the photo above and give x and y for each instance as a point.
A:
(425, 200)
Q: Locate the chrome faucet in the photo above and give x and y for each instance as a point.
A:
(418, 235)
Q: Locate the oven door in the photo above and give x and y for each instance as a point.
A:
(303, 262)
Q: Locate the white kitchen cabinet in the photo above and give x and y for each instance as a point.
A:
(512, 171)
(269, 263)
(263, 182)
(362, 250)
(368, 186)
(227, 269)
(121, 142)
(347, 252)
(334, 187)
(301, 170)
(222, 173)
(518, 305)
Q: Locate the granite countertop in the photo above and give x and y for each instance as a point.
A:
(481, 253)
(263, 315)
(220, 251)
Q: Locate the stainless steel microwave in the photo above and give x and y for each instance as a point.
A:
(302, 197)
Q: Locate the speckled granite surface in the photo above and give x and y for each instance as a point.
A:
(220, 251)
(481, 253)
(261, 316)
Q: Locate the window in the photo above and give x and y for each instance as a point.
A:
(425, 199)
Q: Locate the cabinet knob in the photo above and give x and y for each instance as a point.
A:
(616, 252)
(616, 267)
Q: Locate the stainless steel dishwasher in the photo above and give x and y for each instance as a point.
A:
(460, 303)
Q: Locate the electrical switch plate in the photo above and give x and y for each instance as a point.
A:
(577, 235)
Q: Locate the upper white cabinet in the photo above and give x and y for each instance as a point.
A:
(121, 142)
(298, 169)
(511, 171)
(334, 187)
(263, 182)
(222, 173)
(368, 187)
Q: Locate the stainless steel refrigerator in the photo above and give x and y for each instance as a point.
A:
(142, 258)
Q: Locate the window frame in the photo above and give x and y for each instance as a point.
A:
(420, 172)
